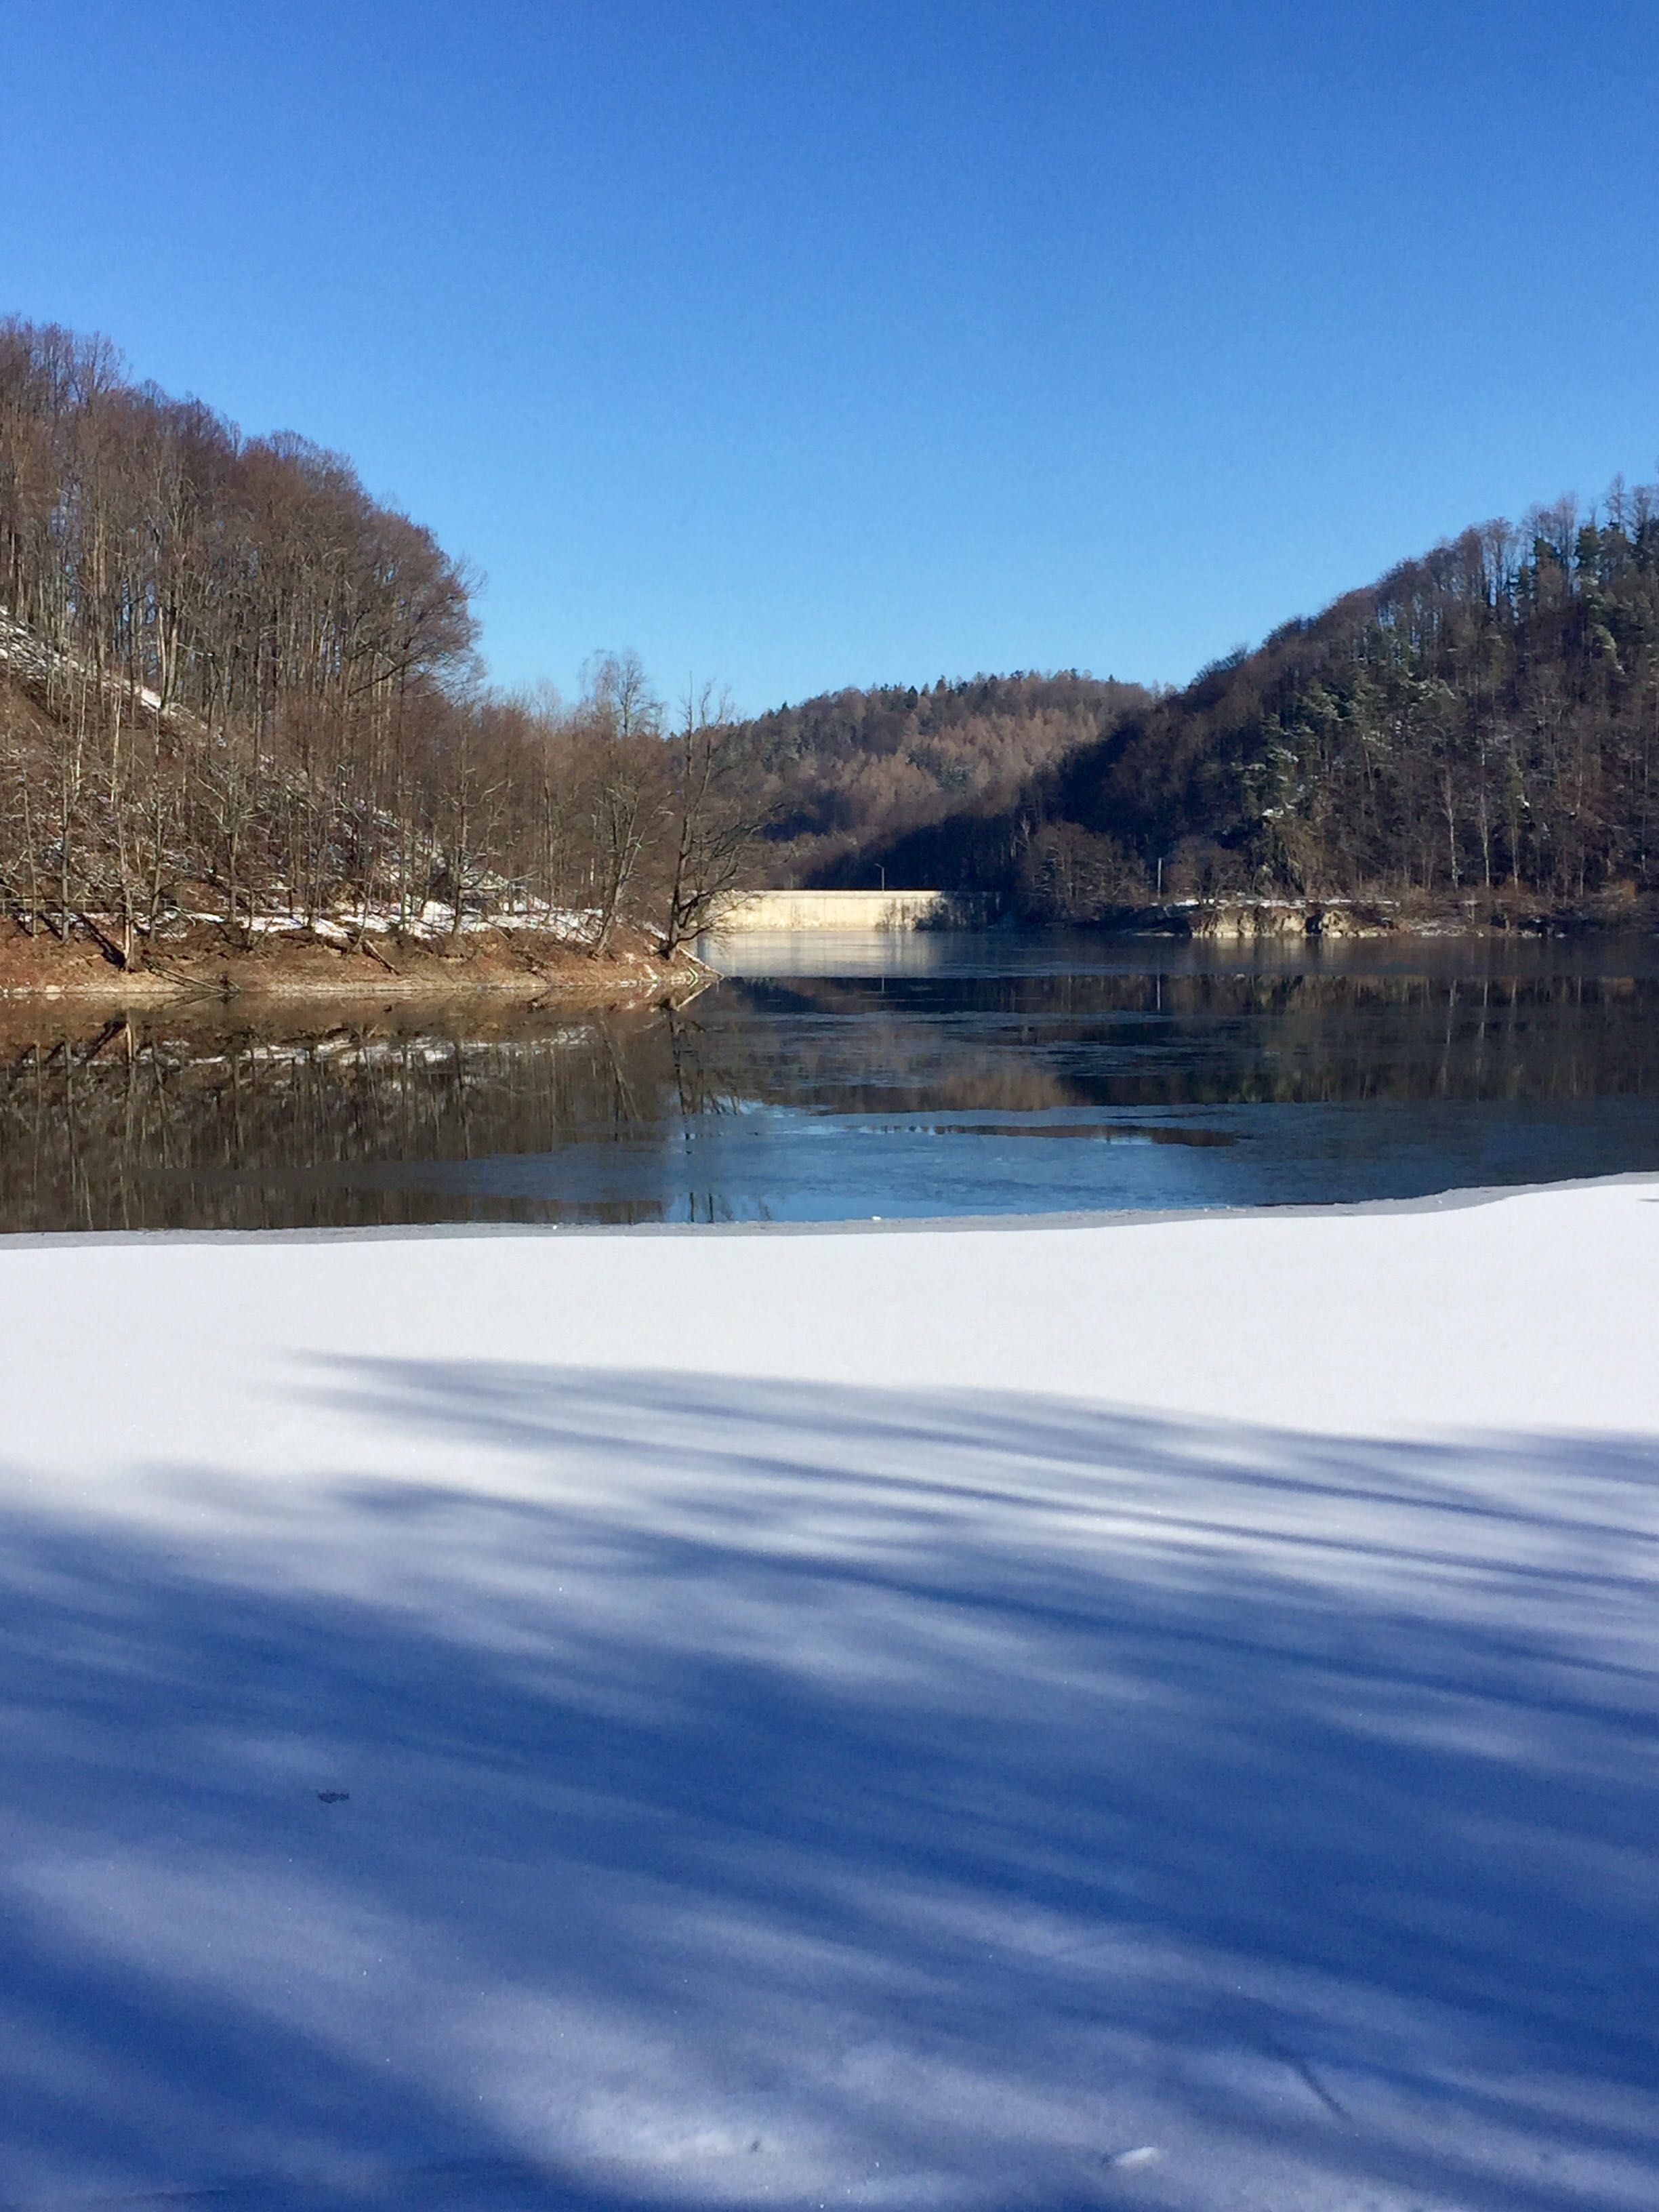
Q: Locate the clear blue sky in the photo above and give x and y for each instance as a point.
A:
(805, 344)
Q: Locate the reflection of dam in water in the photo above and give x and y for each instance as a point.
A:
(785, 910)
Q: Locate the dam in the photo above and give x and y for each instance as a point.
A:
(780, 910)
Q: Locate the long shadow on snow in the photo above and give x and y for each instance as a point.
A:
(751, 1783)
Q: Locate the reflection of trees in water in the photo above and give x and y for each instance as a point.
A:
(1029, 1043)
(167, 1120)
(151, 1121)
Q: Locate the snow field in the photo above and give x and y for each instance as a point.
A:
(1157, 1713)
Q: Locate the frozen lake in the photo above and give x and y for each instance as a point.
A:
(830, 1077)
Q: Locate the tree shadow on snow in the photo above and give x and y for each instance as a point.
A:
(756, 1793)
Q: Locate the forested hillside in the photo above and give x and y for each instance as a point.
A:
(233, 685)
(1480, 727)
(850, 775)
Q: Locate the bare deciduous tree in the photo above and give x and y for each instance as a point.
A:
(715, 814)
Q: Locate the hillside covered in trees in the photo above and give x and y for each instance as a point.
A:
(234, 686)
(853, 774)
(1479, 731)
(235, 689)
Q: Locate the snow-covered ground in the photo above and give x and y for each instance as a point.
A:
(1161, 1713)
(432, 922)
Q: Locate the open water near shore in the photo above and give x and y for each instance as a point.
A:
(832, 1078)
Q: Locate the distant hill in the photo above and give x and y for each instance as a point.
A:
(851, 774)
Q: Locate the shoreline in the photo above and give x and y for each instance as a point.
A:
(287, 969)
(1460, 1198)
(509, 966)
(1257, 921)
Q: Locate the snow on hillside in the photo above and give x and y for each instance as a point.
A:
(33, 662)
(1155, 1714)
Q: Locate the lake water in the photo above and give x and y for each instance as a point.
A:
(834, 1078)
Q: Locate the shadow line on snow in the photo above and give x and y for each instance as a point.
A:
(973, 1786)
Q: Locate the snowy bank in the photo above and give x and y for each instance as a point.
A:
(1160, 1713)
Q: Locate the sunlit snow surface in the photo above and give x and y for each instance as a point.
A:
(1157, 1714)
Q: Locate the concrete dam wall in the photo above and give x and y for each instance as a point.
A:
(831, 910)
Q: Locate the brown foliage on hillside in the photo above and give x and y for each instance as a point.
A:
(852, 775)
(232, 683)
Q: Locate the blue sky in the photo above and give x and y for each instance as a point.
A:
(798, 345)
